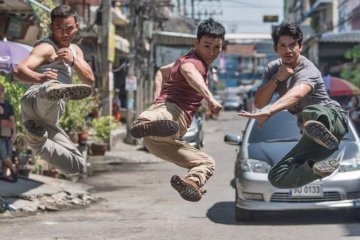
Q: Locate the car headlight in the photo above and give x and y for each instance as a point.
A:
(352, 164)
(253, 165)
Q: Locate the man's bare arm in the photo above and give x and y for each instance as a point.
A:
(39, 55)
(161, 75)
(82, 68)
(292, 97)
(264, 94)
(196, 81)
(285, 102)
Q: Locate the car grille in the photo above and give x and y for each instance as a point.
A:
(285, 197)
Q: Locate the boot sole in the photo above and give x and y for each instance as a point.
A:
(69, 91)
(158, 128)
(186, 190)
(325, 167)
(320, 134)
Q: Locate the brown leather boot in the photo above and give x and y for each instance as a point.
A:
(320, 134)
(159, 128)
(325, 167)
(187, 189)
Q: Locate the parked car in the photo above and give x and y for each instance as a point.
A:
(233, 103)
(195, 134)
(261, 148)
(219, 99)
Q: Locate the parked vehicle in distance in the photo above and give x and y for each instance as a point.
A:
(219, 99)
(233, 103)
(261, 148)
(195, 134)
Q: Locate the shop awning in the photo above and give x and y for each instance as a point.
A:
(351, 37)
(173, 39)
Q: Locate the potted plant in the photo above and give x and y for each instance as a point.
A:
(102, 127)
(74, 119)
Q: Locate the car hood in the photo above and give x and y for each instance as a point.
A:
(274, 152)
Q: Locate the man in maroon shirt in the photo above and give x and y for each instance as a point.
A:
(178, 90)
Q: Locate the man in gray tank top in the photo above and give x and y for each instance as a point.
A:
(302, 92)
(48, 69)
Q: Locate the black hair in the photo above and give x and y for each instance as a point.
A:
(287, 29)
(63, 11)
(210, 28)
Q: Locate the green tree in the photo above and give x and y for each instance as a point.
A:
(14, 91)
(351, 71)
(43, 16)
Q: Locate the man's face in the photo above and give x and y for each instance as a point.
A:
(289, 50)
(208, 48)
(64, 30)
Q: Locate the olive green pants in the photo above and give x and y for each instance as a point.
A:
(293, 170)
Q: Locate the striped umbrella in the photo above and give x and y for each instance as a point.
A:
(339, 87)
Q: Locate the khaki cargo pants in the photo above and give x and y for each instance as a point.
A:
(58, 149)
(201, 166)
(293, 170)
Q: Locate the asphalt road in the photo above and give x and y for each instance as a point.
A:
(139, 203)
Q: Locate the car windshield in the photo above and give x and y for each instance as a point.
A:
(282, 127)
(233, 99)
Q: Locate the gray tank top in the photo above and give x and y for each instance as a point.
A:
(64, 69)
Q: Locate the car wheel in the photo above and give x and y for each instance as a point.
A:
(242, 215)
(201, 140)
(356, 213)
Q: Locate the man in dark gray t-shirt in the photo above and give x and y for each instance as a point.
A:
(302, 92)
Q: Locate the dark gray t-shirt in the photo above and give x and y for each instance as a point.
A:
(305, 73)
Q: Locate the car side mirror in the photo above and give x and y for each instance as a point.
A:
(232, 139)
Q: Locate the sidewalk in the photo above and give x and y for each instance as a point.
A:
(41, 193)
(121, 152)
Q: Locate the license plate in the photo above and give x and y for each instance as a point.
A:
(311, 190)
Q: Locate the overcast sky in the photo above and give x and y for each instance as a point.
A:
(239, 16)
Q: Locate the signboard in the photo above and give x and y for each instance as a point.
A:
(130, 83)
(270, 18)
(111, 43)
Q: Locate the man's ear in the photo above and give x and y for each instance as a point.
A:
(197, 42)
(301, 45)
(50, 26)
(275, 48)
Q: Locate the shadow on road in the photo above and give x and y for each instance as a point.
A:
(23, 185)
(224, 213)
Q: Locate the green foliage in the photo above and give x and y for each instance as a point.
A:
(43, 16)
(220, 86)
(75, 115)
(13, 93)
(102, 127)
(351, 72)
(74, 118)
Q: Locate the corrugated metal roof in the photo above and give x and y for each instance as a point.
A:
(173, 38)
(351, 37)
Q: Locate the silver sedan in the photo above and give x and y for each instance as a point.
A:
(260, 148)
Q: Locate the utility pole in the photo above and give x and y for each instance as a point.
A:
(131, 73)
(192, 10)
